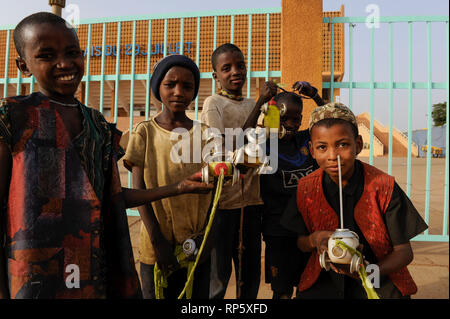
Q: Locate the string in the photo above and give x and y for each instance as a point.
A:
(341, 209)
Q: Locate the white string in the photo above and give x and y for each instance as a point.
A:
(340, 192)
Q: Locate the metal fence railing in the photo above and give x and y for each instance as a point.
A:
(157, 29)
(390, 85)
(238, 22)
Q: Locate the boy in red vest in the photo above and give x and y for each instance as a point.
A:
(374, 207)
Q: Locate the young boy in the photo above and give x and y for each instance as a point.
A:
(64, 221)
(169, 222)
(229, 109)
(283, 259)
(374, 207)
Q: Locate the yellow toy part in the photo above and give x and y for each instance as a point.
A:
(272, 117)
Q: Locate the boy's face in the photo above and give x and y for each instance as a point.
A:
(177, 89)
(52, 54)
(327, 143)
(292, 119)
(231, 71)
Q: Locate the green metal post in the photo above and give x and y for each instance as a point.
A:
(88, 65)
(429, 128)
(149, 55)
(181, 35)
(249, 55)
(32, 84)
(232, 29)
(165, 37)
(372, 80)
(350, 76)
(8, 44)
(447, 141)
(19, 82)
(391, 95)
(332, 63)
(267, 45)
(214, 47)
(408, 165)
(116, 87)
(197, 60)
(102, 81)
(133, 59)
(165, 47)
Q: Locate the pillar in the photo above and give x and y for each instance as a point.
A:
(113, 101)
(301, 46)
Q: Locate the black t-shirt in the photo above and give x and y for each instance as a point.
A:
(294, 162)
(402, 221)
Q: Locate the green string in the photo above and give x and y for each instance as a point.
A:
(367, 285)
(160, 277)
(190, 280)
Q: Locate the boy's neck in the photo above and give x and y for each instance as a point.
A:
(64, 99)
(237, 96)
(170, 120)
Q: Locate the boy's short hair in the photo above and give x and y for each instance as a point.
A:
(289, 97)
(31, 20)
(226, 47)
(333, 113)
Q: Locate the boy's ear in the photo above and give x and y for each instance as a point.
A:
(359, 144)
(22, 66)
(214, 75)
(311, 150)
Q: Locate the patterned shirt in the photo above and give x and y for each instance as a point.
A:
(65, 214)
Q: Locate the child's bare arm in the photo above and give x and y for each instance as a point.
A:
(5, 173)
(307, 89)
(141, 196)
(163, 249)
(401, 256)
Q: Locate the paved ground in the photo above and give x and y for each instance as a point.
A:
(430, 267)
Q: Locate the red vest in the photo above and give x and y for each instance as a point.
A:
(368, 214)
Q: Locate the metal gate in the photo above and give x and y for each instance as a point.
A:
(390, 84)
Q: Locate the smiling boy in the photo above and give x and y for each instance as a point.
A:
(374, 207)
(63, 207)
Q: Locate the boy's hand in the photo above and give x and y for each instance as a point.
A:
(319, 240)
(305, 88)
(164, 255)
(194, 184)
(268, 91)
(344, 269)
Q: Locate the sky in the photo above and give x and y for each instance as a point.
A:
(11, 12)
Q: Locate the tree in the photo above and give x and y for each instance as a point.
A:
(439, 114)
